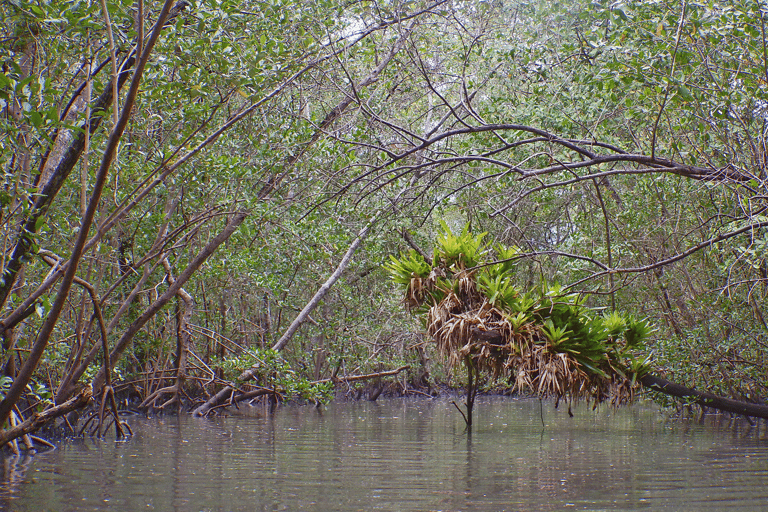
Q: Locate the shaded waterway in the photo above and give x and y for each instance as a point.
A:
(403, 455)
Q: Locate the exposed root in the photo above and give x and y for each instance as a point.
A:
(99, 422)
(151, 401)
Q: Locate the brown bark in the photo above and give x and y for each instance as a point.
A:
(409, 240)
(703, 398)
(41, 342)
(182, 348)
(37, 420)
(215, 401)
(51, 188)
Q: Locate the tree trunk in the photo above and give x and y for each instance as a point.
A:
(183, 340)
(471, 389)
(704, 399)
(312, 304)
(41, 342)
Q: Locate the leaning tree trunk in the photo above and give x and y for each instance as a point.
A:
(41, 342)
(704, 399)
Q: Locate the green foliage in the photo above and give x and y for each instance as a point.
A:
(637, 365)
(275, 373)
(592, 339)
(408, 266)
(41, 395)
(506, 257)
(556, 336)
(614, 324)
(518, 320)
(459, 252)
(37, 391)
(687, 85)
(637, 331)
(500, 289)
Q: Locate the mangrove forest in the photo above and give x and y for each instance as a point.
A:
(213, 203)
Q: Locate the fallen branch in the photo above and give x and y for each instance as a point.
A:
(368, 376)
(227, 397)
(37, 420)
(704, 399)
(228, 393)
(214, 401)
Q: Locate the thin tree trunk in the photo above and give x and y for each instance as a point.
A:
(182, 348)
(161, 301)
(37, 349)
(312, 304)
(471, 389)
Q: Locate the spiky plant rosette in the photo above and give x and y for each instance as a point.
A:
(547, 341)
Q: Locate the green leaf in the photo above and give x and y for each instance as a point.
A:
(684, 93)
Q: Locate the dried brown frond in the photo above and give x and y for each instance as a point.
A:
(623, 391)
(415, 293)
(466, 287)
(465, 325)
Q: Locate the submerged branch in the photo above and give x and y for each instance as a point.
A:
(704, 399)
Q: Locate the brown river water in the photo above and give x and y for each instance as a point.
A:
(404, 455)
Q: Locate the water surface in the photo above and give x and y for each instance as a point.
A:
(403, 455)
